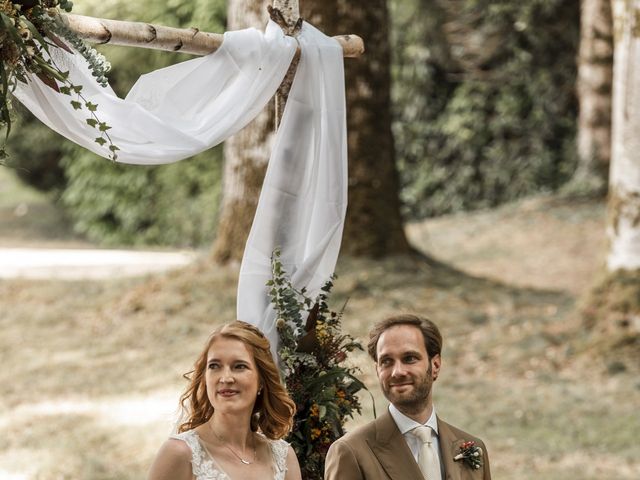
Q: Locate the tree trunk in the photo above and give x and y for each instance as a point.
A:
(612, 309)
(246, 155)
(624, 185)
(373, 225)
(595, 74)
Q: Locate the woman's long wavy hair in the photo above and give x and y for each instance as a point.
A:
(273, 411)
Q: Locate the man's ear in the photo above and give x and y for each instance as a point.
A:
(436, 363)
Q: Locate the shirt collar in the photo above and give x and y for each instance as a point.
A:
(406, 424)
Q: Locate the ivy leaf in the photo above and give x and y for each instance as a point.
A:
(92, 122)
(76, 105)
(100, 141)
(65, 90)
(92, 107)
(104, 127)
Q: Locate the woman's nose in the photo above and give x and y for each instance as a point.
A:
(227, 376)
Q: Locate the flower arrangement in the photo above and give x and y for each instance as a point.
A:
(29, 29)
(470, 454)
(313, 352)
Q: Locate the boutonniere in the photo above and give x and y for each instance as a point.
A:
(470, 454)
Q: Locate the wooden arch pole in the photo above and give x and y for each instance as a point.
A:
(158, 37)
(286, 13)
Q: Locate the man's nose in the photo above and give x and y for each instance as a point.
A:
(399, 370)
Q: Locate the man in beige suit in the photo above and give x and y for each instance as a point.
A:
(409, 441)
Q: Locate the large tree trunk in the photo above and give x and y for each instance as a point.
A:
(624, 185)
(373, 225)
(245, 155)
(612, 309)
(595, 73)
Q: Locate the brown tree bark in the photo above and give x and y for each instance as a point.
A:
(245, 155)
(595, 76)
(374, 225)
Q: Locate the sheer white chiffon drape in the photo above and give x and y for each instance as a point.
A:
(176, 112)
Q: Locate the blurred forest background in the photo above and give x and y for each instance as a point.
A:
(479, 149)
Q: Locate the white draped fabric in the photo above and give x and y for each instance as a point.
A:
(176, 112)
(303, 201)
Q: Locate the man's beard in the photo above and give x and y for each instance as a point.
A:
(415, 401)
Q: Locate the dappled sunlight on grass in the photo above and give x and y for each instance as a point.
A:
(95, 367)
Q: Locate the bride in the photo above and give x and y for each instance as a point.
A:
(238, 414)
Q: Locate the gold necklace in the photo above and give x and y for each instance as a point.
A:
(244, 462)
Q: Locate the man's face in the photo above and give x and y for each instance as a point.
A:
(404, 369)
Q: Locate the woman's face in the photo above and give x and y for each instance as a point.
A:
(232, 377)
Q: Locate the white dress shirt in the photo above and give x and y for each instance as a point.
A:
(406, 424)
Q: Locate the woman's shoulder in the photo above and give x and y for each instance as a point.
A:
(173, 461)
(177, 446)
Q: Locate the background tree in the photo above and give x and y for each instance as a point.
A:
(246, 154)
(373, 225)
(595, 72)
(484, 100)
(613, 307)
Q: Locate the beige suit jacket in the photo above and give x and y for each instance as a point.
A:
(378, 451)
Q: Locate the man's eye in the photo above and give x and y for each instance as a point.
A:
(385, 362)
(411, 359)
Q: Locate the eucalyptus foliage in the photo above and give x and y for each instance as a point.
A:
(314, 363)
(485, 108)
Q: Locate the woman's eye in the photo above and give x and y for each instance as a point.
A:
(213, 366)
(241, 366)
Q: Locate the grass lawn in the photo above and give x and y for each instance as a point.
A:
(93, 369)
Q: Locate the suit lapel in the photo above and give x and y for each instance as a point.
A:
(448, 441)
(392, 451)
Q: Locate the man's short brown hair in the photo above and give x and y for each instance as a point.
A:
(430, 333)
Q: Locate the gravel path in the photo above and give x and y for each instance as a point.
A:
(78, 264)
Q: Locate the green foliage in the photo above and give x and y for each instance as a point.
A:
(313, 352)
(28, 32)
(125, 204)
(485, 109)
(34, 153)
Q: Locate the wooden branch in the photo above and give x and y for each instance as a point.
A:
(286, 13)
(158, 37)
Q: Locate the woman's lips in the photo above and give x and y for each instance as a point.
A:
(227, 393)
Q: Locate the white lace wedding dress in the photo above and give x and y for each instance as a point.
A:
(204, 467)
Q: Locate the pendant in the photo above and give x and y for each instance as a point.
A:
(245, 462)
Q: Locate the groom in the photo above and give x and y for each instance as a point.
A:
(409, 441)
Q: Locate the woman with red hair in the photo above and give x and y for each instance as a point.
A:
(238, 413)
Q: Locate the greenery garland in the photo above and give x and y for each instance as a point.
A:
(28, 30)
(313, 354)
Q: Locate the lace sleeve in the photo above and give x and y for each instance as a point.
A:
(279, 449)
(201, 464)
